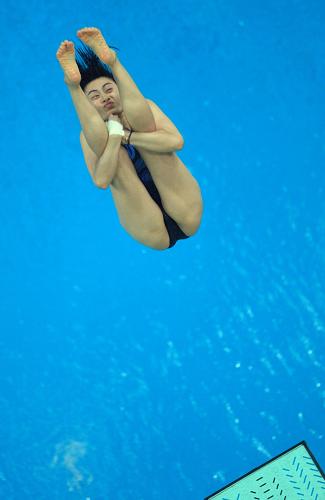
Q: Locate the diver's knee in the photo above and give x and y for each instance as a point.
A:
(157, 239)
(192, 221)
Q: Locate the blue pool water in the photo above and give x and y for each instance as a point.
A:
(128, 373)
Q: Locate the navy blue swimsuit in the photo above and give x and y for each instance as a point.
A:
(174, 231)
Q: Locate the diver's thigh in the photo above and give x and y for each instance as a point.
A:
(138, 213)
(179, 191)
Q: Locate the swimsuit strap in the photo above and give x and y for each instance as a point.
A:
(136, 159)
(131, 150)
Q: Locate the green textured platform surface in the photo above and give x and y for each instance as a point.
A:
(295, 474)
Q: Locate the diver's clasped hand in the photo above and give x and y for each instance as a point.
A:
(115, 127)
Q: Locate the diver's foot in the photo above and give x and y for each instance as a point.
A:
(66, 57)
(96, 41)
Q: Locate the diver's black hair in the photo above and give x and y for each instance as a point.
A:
(90, 66)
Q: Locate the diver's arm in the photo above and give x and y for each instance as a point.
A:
(106, 165)
(159, 141)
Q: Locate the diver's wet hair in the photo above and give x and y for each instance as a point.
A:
(90, 66)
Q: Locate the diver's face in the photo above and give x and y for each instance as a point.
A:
(104, 96)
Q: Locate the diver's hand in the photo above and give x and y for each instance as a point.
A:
(114, 118)
(126, 125)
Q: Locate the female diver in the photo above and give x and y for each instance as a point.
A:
(129, 145)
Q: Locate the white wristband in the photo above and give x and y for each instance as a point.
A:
(115, 128)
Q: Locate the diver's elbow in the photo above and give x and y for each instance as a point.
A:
(101, 184)
(180, 144)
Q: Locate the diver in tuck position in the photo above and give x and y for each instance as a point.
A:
(157, 199)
